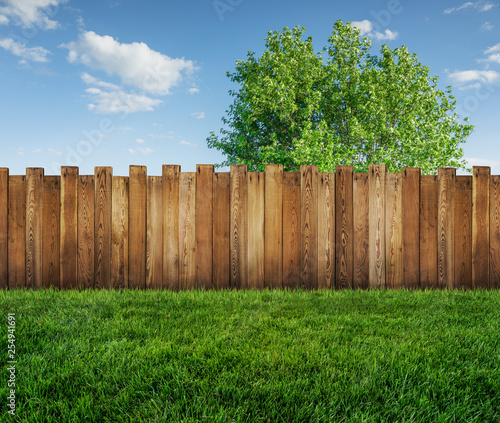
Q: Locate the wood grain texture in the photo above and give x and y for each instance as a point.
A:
(51, 246)
(309, 225)
(239, 226)
(170, 175)
(292, 268)
(34, 222)
(137, 227)
(463, 232)
(411, 227)
(256, 215)
(119, 232)
(428, 231)
(204, 225)
(86, 228)
(495, 232)
(377, 182)
(17, 231)
(480, 226)
(273, 226)
(187, 230)
(69, 227)
(326, 230)
(102, 226)
(361, 224)
(446, 227)
(154, 241)
(221, 228)
(4, 226)
(394, 230)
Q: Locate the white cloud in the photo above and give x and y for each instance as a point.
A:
(456, 9)
(493, 49)
(198, 115)
(58, 153)
(110, 102)
(29, 13)
(146, 150)
(4, 20)
(193, 91)
(488, 76)
(136, 64)
(37, 151)
(156, 136)
(488, 26)
(366, 28)
(479, 5)
(387, 35)
(90, 80)
(486, 7)
(494, 58)
(131, 151)
(140, 141)
(20, 151)
(184, 142)
(37, 54)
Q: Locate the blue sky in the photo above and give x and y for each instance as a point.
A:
(121, 82)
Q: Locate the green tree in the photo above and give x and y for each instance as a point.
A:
(341, 106)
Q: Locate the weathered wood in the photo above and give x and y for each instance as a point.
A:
(17, 231)
(51, 247)
(361, 270)
(377, 203)
(256, 216)
(273, 226)
(326, 230)
(480, 226)
(463, 232)
(187, 230)
(86, 209)
(154, 241)
(137, 227)
(171, 226)
(4, 225)
(394, 230)
(239, 226)
(34, 222)
(102, 226)
(291, 230)
(204, 225)
(446, 227)
(411, 227)
(344, 227)
(119, 232)
(309, 225)
(69, 227)
(495, 232)
(221, 219)
(428, 231)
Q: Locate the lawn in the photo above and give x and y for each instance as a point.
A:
(254, 356)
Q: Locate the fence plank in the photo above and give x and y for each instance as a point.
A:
(239, 226)
(326, 230)
(86, 209)
(344, 227)
(171, 226)
(361, 224)
(4, 226)
(495, 232)
(428, 231)
(204, 225)
(446, 227)
(256, 216)
(51, 247)
(463, 232)
(377, 182)
(309, 225)
(221, 219)
(102, 226)
(69, 227)
(273, 226)
(411, 227)
(119, 232)
(137, 227)
(187, 230)
(394, 230)
(154, 241)
(17, 231)
(480, 226)
(291, 230)
(34, 216)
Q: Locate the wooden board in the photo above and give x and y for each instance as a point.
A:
(154, 241)
(428, 231)
(34, 221)
(69, 227)
(446, 227)
(221, 219)
(326, 230)
(361, 264)
(204, 225)
(256, 217)
(187, 230)
(344, 227)
(292, 268)
(17, 231)
(51, 267)
(394, 230)
(411, 226)
(309, 225)
(273, 226)
(137, 227)
(4, 224)
(102, 227)
(171, 226)
(239, 226)
(86, 209)
(463, 232)
(119, 232)
(377, 182)
(495, 232)
(480, 226)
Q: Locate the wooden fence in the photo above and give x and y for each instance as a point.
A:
(243, 229)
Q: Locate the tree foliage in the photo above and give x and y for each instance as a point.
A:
(341, 106)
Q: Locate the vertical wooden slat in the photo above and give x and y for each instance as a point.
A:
(221, 219)
(86, 210)
(69, 227)
(154, 242)
(377, 181)
(446, 227)
(204, 225)
(463, 232)
(309, 225)
(411, 227)
(326, 230)
(137, 227)
(17, 231)
(495, 232)
(239, 226)
(428, 231)
(480, 226)
(273, 226)
(292, 270)
(394, 230)
(102, 226)
(256, 235)
(187, 230)
(171, 226)
(4, 223)
(34, 219)
(119, 232)
(51, 267)
(361, 270)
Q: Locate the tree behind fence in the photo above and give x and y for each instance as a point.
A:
(244, 230)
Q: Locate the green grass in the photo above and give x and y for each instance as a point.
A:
(250, 356)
